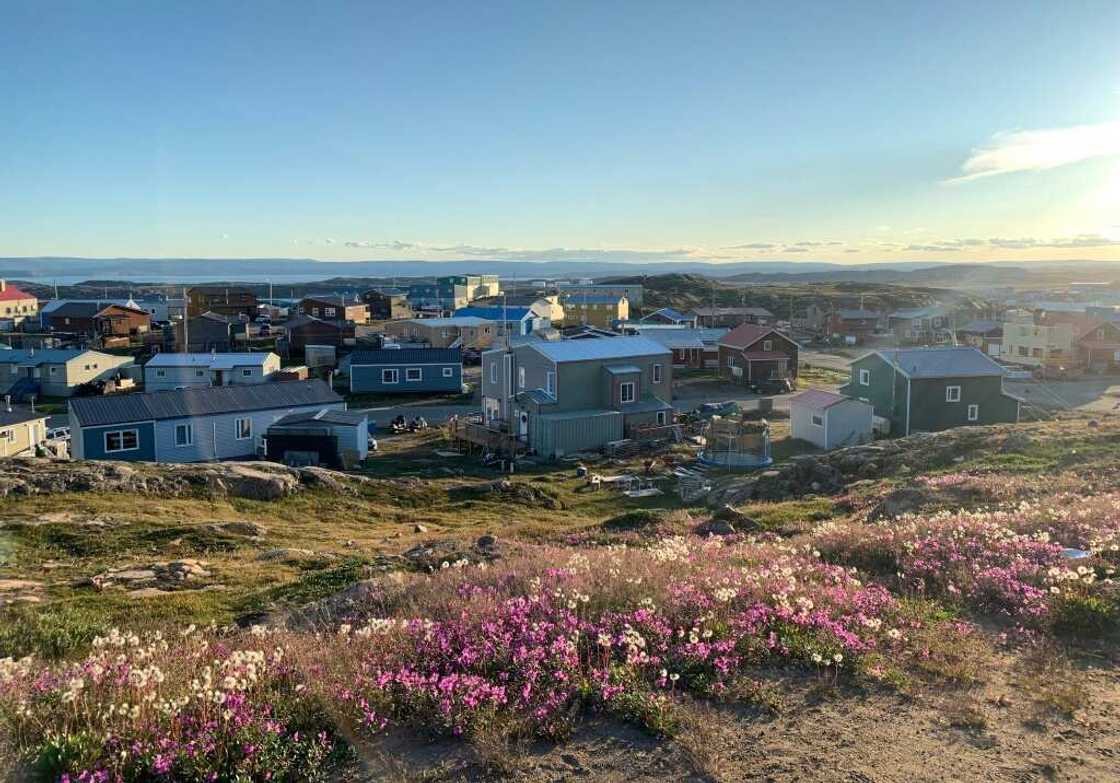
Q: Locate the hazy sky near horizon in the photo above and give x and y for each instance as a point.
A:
(838, 131)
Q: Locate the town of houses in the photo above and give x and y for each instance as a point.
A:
(547, 369)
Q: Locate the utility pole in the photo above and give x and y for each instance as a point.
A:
(186, 322)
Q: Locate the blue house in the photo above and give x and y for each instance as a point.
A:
(405, 370)
(189, 425)
(517, 320)
(667, 315)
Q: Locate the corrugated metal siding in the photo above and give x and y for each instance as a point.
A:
(555, 437)
(215, 436)
(368, 379)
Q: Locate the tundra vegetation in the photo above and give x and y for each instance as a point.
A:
(195, 634)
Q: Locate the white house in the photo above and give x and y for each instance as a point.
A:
(829, 420)
(188, 370)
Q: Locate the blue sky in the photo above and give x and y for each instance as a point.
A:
(852, 132)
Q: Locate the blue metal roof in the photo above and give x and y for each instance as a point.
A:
(496, 313)
(588, 350)
(407, 356)
(202, 401)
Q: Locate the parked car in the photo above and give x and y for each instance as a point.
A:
(58, 433)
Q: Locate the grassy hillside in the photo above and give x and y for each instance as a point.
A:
(434, 621)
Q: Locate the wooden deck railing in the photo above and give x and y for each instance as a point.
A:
(487, 436)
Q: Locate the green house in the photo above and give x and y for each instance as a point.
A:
(932, 389)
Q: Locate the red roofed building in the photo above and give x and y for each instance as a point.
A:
(759, 356)
(16, 305)
(1099, 347)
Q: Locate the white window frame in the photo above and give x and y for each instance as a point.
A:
(658, 373)
(622, 387)
(550, 384)
(448, 372)
(248, 421)
(247, 373)
(494, 371)
(974, 412)
(121, 433)
(865, 377)
(816, 419)
(520, 377)
(767, 345)
(189, 429)
(409, 372)
(950, 396)
(388, 373)
(661, 418)
(161, 374)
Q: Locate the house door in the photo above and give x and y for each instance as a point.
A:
(219, 379)
(523, 425)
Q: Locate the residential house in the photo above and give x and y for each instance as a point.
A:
(1032, 344)
(634, 293)
(829, 420)
(57, 372)
(561, 397)
(601, 310)
(932, 389)
(517, 321)
(986, 335)
(16, 305)
(21, 432)
(98, 319)
(547, 306)
(852, 327)
(667, 315)
(235, 301)
(476, 286)
(730, 317)
(921, 325)
(189, 425)
(208, 332)
(1099, 347)
(457, 332)
(691, 347)
(387, 305)
(407, 370)
(330, 310)
(333, 438)
(307, 330)
(187, 370)
(761, 356)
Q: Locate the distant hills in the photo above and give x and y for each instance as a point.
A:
(188, 270)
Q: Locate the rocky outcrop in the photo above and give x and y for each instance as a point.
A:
(251, 480)
(834, 471)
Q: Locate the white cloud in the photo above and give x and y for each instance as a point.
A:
(1037, 150)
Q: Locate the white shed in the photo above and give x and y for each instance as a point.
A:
(829, 420)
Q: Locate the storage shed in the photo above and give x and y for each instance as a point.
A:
(829, 420)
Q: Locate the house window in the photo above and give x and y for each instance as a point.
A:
(54, 370)
(160, 373)
(8, 435)
(390, 376)
(661, 417)
(122, 440)
(246, 373)
(817, 420)
(865, 377)
(550, 383)
(329, 312)
(520, 377)
(184, 434)
(952, 394)
(657, 369)
(767, 345)
(1023, 350)
(200, 373)
(243, 428)
(493, 372)
(626, 392)
(413, 374)
(973, 412)
(448, 372)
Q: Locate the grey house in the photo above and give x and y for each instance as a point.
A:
(932, 389)
(830, 421)
(190, 425)
(575, 395)
(57, 372)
